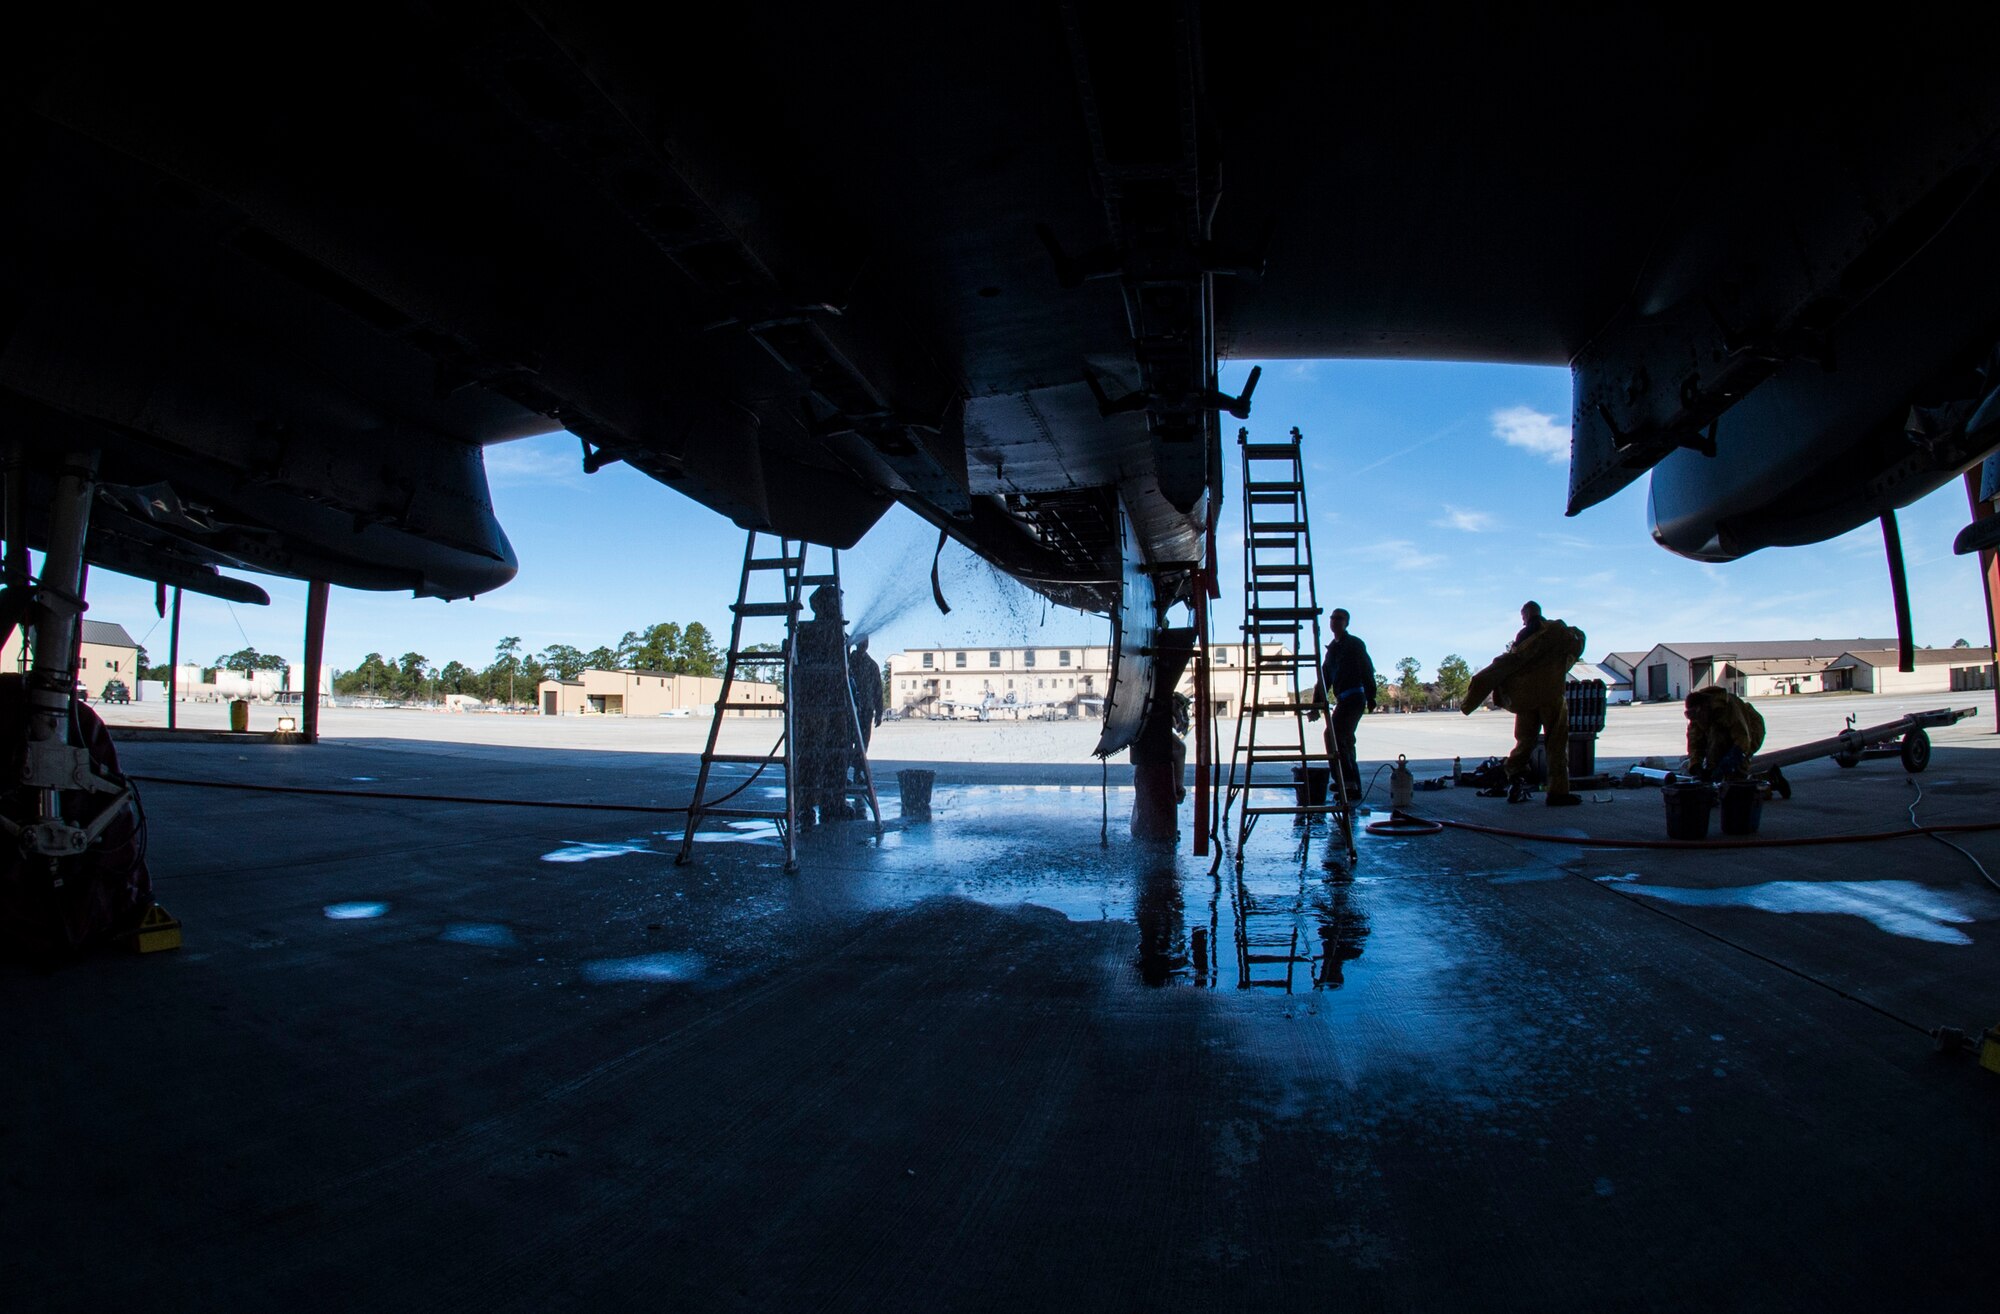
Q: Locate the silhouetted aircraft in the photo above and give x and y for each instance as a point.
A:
(269, 293)
(987, 705)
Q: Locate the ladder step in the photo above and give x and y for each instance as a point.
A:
(1270, 451)
(763, 608)
(1285, 613)
(1281, 486)
(1272, 499)
(1281, 570)
(775, 563)
(1278, 527)
(815, 581)
(1274, 544)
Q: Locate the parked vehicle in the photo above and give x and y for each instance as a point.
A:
(116, 692)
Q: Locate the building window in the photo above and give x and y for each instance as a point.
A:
(1010, 684)
(927, 661)
(960, 661)
(1062, 657)
(993, 658)
(1028, 659)
(1222, 656)
(1041, 684)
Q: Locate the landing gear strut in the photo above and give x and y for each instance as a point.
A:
(64, 809)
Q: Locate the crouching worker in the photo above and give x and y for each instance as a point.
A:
(1724, 733)
(1528, 680)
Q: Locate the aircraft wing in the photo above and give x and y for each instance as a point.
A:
(800, 262)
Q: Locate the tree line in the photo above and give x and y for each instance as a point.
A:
(1409, 691)
(513, 674)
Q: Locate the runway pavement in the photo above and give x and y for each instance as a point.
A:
(424, 1056)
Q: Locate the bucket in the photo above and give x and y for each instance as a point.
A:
(916, 788)
(239, 716)
(1742, 807)
(1310, 783)
(1687, 810)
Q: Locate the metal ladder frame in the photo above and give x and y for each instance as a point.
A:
(791, 563)
(1277, 559)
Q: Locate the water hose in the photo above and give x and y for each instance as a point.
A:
(1785, 842)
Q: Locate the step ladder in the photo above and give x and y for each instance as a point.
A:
(770, 598)
(1281, 653)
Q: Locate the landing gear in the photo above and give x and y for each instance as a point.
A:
(76, 873)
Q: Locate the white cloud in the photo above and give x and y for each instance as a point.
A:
(534, 462)
(1524, 426)
(1457, 517)
(1399, 554)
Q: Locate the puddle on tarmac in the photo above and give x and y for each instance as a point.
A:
(481, 933)
(646, 967)
(739, 832)
(585, 851)
(347, 912)
(1074, 906)
(1523, 877)
(1902, 908)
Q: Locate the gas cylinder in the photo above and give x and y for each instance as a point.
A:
(1402, 785)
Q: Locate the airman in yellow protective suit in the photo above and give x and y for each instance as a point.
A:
(1724, 733)
(1527, 680)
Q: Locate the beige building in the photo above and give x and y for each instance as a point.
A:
(1055, 682)
(1939, 670)
(108, 654)
(1669, 672)
(652, 693)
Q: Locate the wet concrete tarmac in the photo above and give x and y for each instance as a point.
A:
(433, 1056)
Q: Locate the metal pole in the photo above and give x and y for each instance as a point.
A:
(1899, 591)
(1989, 579)
(17, 567)
(1201, 714)
(316, 591)
(174, 660)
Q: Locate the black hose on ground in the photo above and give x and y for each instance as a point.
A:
(412, 798)
(1783, 842)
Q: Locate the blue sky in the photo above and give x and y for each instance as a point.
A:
(1436, 493)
